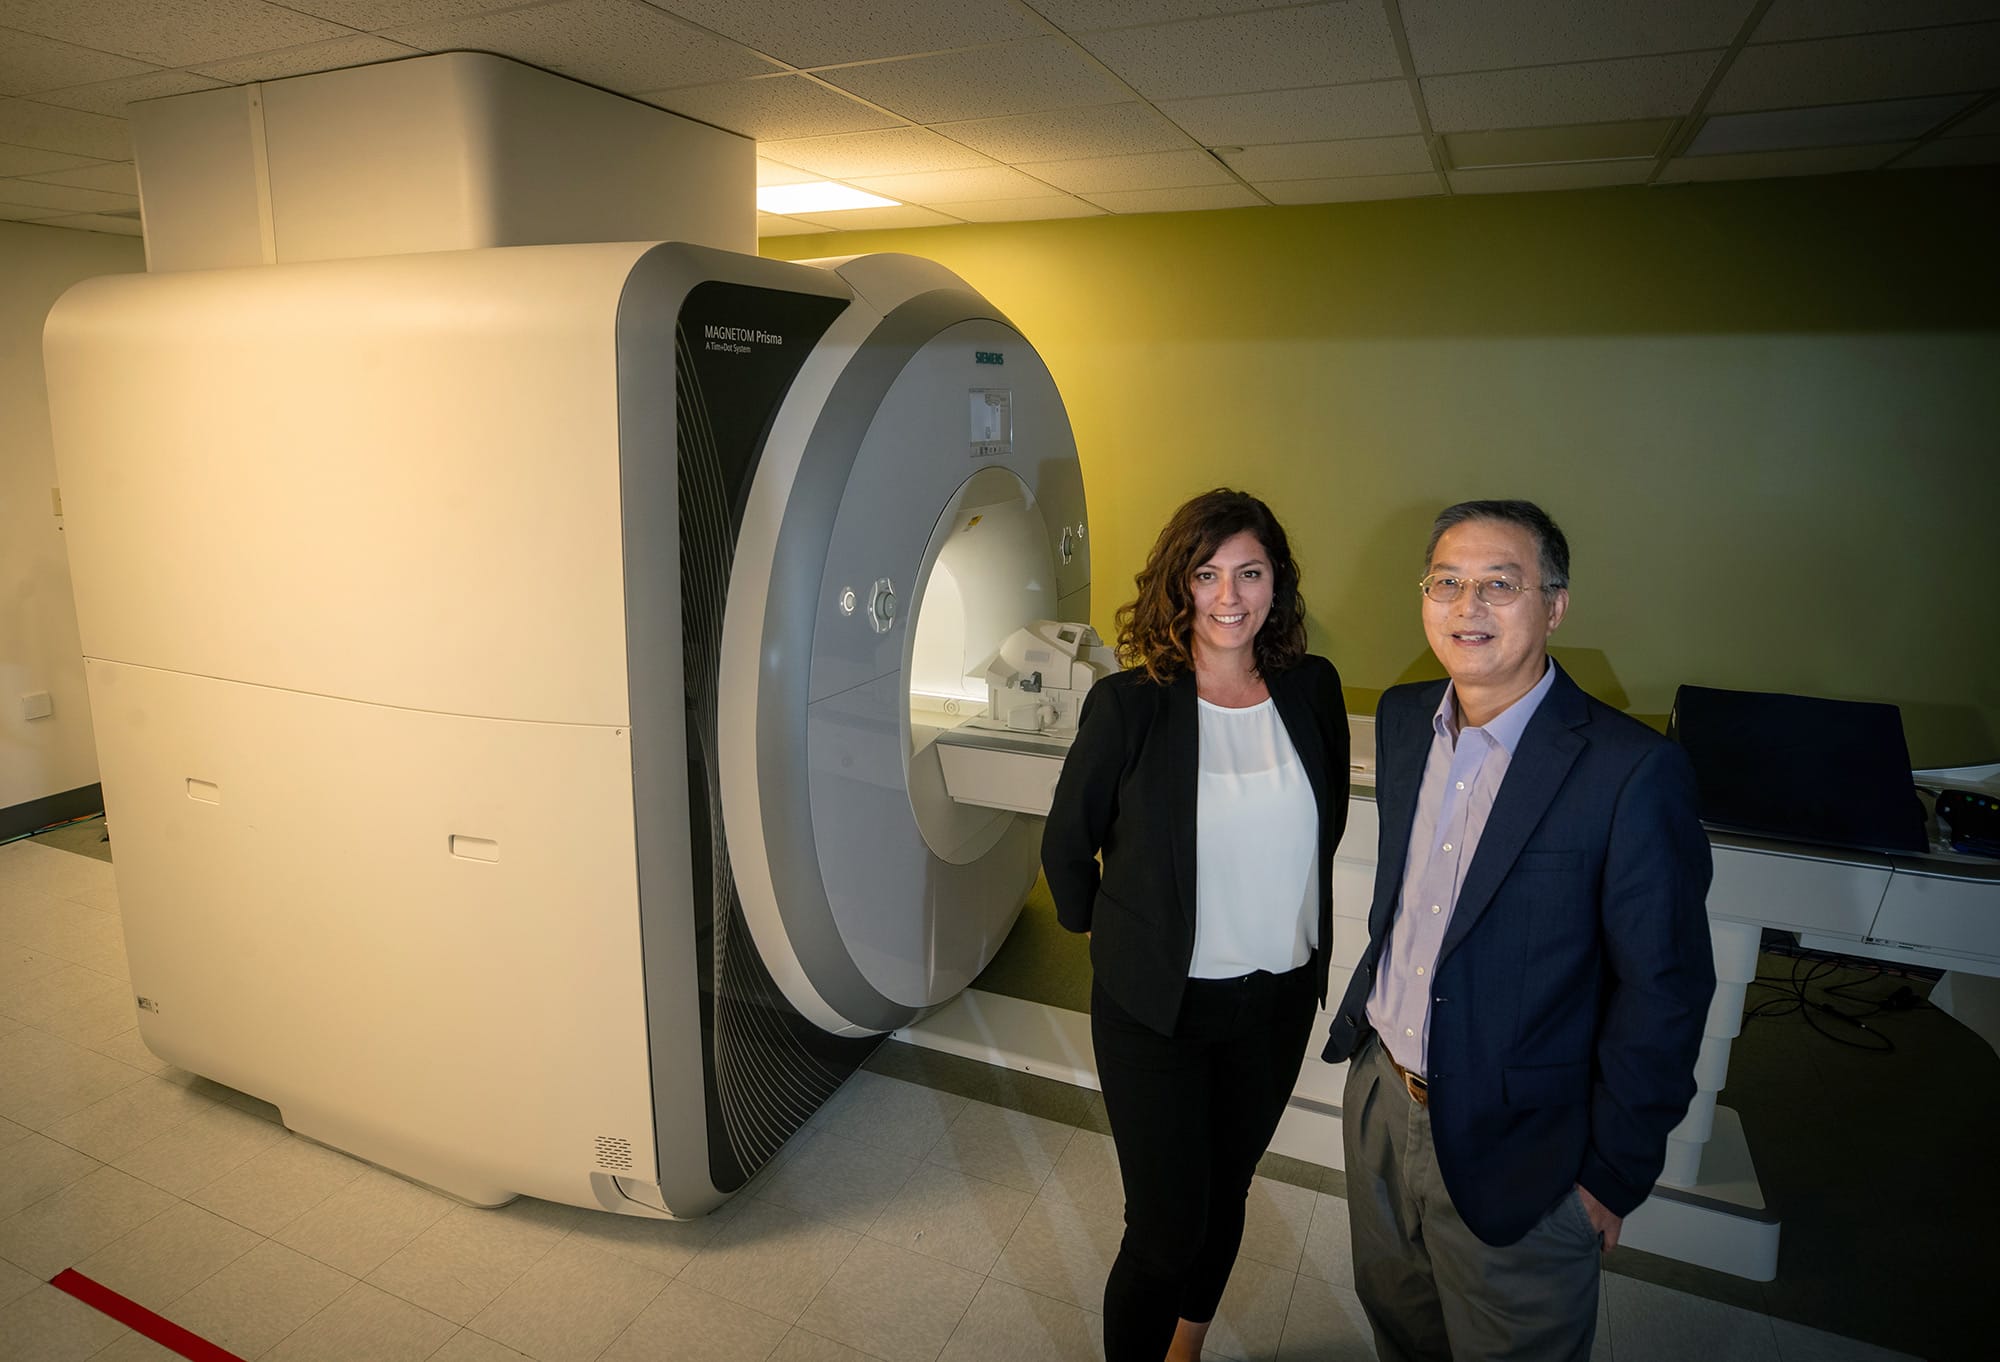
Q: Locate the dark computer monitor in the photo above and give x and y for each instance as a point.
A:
(1800, 768)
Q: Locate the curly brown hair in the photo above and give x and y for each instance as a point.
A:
(1156, 631)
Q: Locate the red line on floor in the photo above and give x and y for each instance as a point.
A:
(139, 1319)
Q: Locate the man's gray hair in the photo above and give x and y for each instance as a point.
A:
(1554, 548)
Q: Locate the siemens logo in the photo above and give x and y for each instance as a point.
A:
(988, 357)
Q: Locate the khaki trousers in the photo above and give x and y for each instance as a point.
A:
(1432, 1289)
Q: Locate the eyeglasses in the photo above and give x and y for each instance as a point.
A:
(1497, 592)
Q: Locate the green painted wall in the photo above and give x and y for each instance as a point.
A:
(1765, 413)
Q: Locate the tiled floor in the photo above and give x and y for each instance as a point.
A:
(904, 1224)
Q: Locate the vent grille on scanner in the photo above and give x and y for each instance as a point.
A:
(613, 1154)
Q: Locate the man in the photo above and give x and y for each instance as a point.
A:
(1523, 1028)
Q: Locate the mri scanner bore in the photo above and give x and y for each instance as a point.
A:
(527, 684)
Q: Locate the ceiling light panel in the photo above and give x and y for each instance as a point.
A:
(1831, 18)
(28, 124)
(1081, 16)
(873, 219)
(895, 151)
(817, 196)
(1478, 35)
(1929, 61)
(956, 186)
(1201, 199)
(619, 44)
(110, 97)
(1350, 188)
(1069, 134)
(1376, 109)
(1758, 165)
(359, 49)
(1834, 125)
(1541, 146)
(1328, 160)
(770, 224)
(772, 108)
(1523, 179)
(815, 33)
(1586, 92)
(1154, 170)
(1014, 78)
(1262, 50)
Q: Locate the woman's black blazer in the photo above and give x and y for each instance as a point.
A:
(1128, 790)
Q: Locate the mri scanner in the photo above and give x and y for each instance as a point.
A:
(518, 677)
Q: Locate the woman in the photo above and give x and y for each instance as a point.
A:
(1212, 776)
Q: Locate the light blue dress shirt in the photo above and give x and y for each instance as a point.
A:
(1462, 775)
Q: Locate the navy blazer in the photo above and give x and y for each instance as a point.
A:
(1128, 790)
(1574, 979)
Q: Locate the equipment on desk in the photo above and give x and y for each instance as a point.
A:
(1798, 768)
(1969, 821)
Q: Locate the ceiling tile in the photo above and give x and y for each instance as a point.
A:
(110, 97)
(896, 151)
(171, 32)
(1327, 160)
(1931, 61)
(1478, 35)
(771, 108)
(34, 161)
(1953, 151)
(66, 197)
(1377, 109)
(1080, 16)
(359, 49)
(1153, 170)
(1830, 18)
(1199, 199)
(1026, 210)
(622, 45)
(1069, 134)
(1586, 92)
(95, 222)
(814, 33)
(771, 224)
(116, 177)
(1758, 165)
(869, 219)
(1519, 179)
(771, 172)
(955, 186)
(22, 212)
(1350, 189)
(1987, 120)
(374, 14)
(988, 82)
(1264, 50)
(26, 123)
(31, 64)
(1830, 125)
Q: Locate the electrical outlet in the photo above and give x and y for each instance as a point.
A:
(37, 705)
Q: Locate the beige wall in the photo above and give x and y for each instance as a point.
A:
(1767, 414)
(38, 637)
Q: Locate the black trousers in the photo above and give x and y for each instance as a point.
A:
(1191, 1114)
